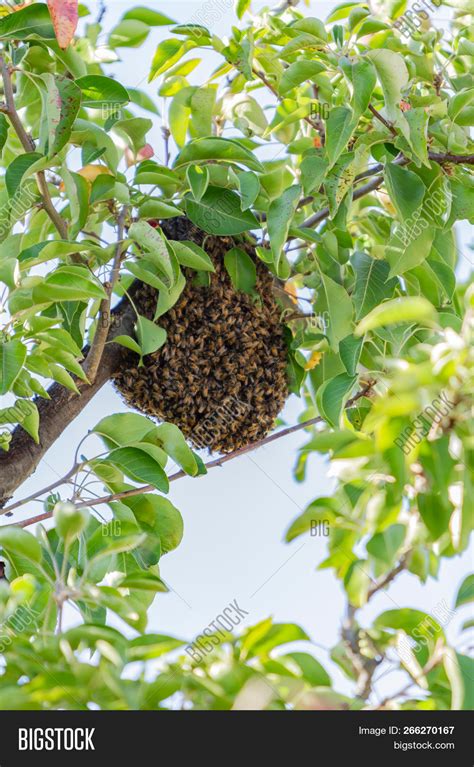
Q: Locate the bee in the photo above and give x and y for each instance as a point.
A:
(221, 344)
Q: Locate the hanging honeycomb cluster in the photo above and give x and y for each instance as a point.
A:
(221, 375)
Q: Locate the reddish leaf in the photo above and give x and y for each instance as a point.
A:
(64, 14)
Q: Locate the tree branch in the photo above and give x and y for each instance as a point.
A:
(389, 577)
(365, 667)
(180, 474)
(439, 157)
(91, 365)
(56, 413)
(316, 218)
(382, 119)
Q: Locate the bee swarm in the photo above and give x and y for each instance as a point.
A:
(221, 375)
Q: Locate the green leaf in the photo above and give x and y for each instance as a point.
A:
(313, 171)
(219, 212)
(153, 209)
(139, 466)
(62, 377)
(135, 129)
(17, 169)
(191, 255)
(466, 591)
(219, 150)
(405, 309)
(339, 128)
(174, 444)
(129, 33)
(385, 545)
(152, 646)
(153, 242)
(249, 188)
(68, 283)
(406, 190)
(14, 540)
(298, 73)
(198, 180)
(143, 100)
(241, 269)
(363, 77)
(62, 100)
(123, 428)
(241, 7)
(349, 350)
(460, 673)
(30, 418)
(277, 634)
(12, 359)
(148, 16)
(357, 582)
(157, 515)
(30, 22)
(311, 26)
(143, 581)
(247, 115)
(393, 76)
(335, 300)
(311, 669)
(168, 298)
(405, 252)
(202, 104)
(332, 395)
(3, 132)
(319, 511)
(417, 119)
(280, 216)
(46, 251)
(150, 336)
(77, 190)
(99, 91)
(372, 284)
(128, 343)
(167, 54)
(435, 513)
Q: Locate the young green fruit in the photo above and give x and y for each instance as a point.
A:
(70, 521)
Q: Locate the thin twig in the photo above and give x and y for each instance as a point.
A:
(316, 218)
(382, 119)
(439, 157)
(389, 577)
(431, 664)
(102, 10)
(166, 133)
(91, 365)
(180, 474)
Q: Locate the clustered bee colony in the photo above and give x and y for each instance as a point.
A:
(221, 375)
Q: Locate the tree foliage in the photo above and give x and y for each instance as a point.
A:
(341, 149)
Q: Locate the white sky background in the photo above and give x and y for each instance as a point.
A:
(236, 516)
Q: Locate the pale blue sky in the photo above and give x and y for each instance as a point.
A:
(235, 517)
